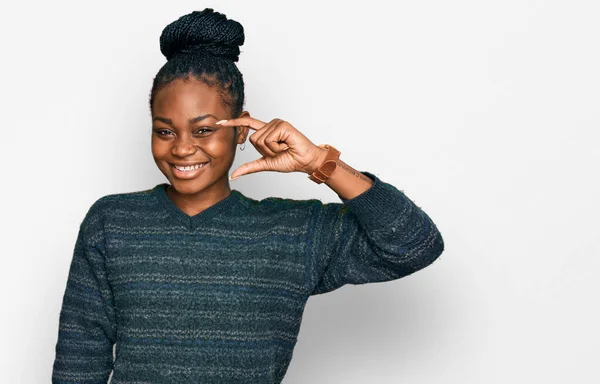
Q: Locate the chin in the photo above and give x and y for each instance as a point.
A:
(192, 186)
(188, 186)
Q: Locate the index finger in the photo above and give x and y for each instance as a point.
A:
(243, 121)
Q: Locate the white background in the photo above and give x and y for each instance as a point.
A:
(485, 113)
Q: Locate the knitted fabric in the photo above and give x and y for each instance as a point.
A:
(218, 297)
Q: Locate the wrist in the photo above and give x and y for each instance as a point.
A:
(319, 159)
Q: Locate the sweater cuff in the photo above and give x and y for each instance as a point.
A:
(379, 204)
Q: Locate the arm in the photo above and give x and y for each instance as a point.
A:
(377, 235)
(346, 181)
(87, 328)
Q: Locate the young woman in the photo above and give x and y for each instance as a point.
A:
(194, 281)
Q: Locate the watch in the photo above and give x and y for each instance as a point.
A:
(329, 164)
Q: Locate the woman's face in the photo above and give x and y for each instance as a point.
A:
(184, 134)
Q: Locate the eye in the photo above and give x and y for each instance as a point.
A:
(204, 130)
(166, 132)
(159, 132)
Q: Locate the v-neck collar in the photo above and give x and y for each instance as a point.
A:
(192, 222)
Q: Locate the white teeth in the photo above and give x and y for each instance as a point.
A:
(189, 168)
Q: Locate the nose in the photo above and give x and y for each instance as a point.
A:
(184, 146)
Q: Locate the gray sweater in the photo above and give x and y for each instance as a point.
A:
(218, 297)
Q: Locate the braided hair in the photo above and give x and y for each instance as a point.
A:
(205, 45)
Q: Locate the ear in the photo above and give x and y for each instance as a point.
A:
(242, 131)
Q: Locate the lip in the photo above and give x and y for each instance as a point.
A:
(188, 164)
(189, 174)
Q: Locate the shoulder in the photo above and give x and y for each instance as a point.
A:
(288, 210)
(100, 214)
(107, 204)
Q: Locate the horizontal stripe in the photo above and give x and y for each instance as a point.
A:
(178, 287)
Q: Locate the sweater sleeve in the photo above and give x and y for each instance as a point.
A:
(87, 327)
(379, 235)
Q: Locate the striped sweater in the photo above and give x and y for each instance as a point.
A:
(218, 297)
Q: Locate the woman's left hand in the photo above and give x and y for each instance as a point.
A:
(283, 147)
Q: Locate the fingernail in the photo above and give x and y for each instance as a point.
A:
(220, 121)
(233, 178)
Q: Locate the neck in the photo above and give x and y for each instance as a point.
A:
(195, 202)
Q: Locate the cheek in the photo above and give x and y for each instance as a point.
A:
(159, 147)
(217, 148)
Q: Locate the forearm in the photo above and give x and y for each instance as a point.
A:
(383, 236)
(346, 181)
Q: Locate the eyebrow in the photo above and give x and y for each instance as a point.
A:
(191, 121)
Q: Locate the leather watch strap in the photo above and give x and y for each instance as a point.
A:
(328, 166)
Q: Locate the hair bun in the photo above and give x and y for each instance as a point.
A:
(204, 31)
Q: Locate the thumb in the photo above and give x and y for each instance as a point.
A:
(251, 167)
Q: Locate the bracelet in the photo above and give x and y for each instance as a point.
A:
(324, 171)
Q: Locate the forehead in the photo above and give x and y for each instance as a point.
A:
(187, 98)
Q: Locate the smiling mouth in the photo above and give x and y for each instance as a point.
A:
(188, 168)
